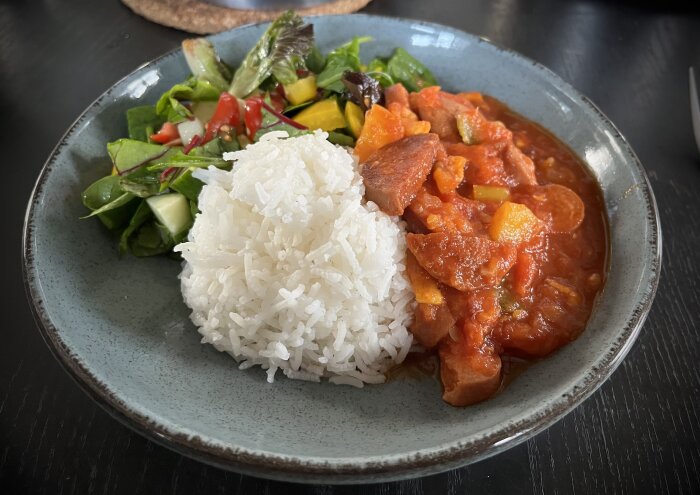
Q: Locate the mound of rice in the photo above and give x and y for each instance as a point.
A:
(288, 268)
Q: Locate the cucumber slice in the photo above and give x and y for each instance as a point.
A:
(173, 211)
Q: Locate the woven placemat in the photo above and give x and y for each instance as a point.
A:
(204, 18)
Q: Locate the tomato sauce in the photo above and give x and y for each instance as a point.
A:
(507, 241)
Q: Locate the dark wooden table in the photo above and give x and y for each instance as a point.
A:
(640, 433)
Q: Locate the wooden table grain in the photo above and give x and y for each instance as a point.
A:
(639, 433)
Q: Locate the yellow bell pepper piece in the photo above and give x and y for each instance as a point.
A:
(301, 90)
(325, 115)
(355, 117)
(514, 223)
(424, 286)
(491, 193)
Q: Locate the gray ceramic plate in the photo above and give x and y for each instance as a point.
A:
(120, 328)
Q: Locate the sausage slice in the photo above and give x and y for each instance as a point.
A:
(394, 174)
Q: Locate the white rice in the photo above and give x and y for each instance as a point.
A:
(288, 268)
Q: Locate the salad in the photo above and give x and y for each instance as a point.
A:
(149, 199)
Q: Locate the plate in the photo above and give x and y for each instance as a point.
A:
(120, 328)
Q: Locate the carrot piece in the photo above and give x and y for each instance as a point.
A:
(448, 174)
(418, 127)
(514, 223)
(381, 128)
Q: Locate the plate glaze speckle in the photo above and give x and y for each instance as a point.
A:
(120, 328)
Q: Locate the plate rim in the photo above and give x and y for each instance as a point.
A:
(312, 470)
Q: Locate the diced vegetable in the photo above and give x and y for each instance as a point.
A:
(302, 90)
(173, 211)
(467, 125)
(448, 174)
(418, 127)
(188, 129)
(167, 133)
(514, 223)
(325, 115)
(204, 110)
(381, 128)
(280, 51)
(424, 286)
(355, 118)
(491, 193)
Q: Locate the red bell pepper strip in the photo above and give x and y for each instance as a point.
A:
(253, 116)
(227, 113)
(168, 132)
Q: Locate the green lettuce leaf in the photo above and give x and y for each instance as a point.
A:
(344, 58)
(205, 64)
(170, 106)
(279, 52)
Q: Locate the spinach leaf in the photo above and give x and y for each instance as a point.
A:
(142, 214)
(150, 239)
(344, 58)
(141, 185)
(129, 155)
(117, 202)
(315, 60)
(180, 160)
(142, 122)
(215, 148)
(205, 63)
(341, 139)
(280, 52)
(378, 69)
(187, 185)
(102, 193)
(405, 69)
